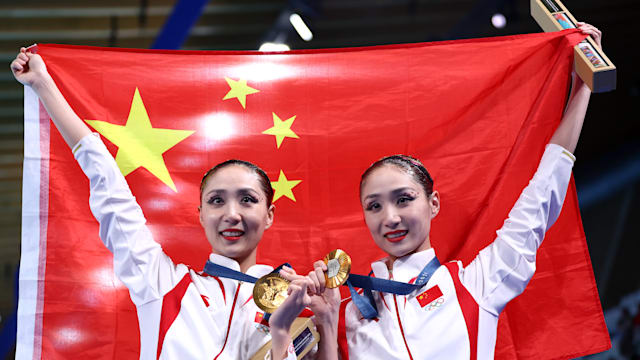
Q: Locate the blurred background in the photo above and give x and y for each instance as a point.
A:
(607, 172)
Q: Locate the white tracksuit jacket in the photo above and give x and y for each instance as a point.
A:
(455, 315)
(182, 314)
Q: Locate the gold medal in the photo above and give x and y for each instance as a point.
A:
(338, 268)
(270, 291)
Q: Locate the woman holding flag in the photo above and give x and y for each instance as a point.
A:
(182, 314)
(450, 311)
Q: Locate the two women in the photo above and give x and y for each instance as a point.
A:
(399, 202)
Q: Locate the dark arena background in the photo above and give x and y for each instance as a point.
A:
(607, 172)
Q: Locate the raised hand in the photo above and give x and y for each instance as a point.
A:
(592, 31)
(326, 302)
(28, 68)
(287, 312)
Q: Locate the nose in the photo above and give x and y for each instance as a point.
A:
(232, 214)
(391, 218)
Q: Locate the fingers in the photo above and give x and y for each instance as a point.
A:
(293, 288)
(297, 285)
(318, 280)
(17, 66)
(320, 264)
(319, 267)
(20, 63)
(322, 281)
(298, 292)
(592, 31)
(314, 284)
(289, 274)
(317, 284)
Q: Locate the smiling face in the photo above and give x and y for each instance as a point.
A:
(397, 210)
(234, 213)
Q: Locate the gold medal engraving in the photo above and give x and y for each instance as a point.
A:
(338, 268)
(270, 291)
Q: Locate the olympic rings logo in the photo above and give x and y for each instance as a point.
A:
(435, 304)
(262, 328)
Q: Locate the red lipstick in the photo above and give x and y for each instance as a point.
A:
(232, 234)
(396, 235)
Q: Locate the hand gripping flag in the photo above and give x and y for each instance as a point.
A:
(477, 112)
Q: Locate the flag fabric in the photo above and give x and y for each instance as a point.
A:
(477, 112)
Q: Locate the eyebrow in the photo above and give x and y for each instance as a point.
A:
(393, 192)
(239, 191)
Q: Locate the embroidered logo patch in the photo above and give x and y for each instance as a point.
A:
(431, 297)
(261, 323)
(435, 304)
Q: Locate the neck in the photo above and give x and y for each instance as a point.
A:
(247, 261)
(426, 245)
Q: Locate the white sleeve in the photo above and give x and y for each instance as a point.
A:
(138, 260)
(502, 270)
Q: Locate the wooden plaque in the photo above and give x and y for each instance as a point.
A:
(304, 336)
(590, 62)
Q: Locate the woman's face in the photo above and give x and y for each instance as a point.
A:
(397, 211)
(233, 212)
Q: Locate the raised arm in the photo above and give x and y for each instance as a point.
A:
(568, 131)
(502, 270)
(138, 260)
(30, 70)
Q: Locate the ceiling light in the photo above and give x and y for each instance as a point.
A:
(269, 46)
(301, 27)
(499, 21)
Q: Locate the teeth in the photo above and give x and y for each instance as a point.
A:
(397, 234)
(232, 233)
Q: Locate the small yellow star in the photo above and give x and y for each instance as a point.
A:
(239, 90)
(139, 144)
(281, 129)
(284, 187)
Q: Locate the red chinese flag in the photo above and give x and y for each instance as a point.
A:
(477, 112)
(429, 296)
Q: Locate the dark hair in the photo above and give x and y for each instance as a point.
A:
(409, 165)
(265, 183)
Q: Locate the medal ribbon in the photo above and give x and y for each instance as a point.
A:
(214, 269)
(365, 302)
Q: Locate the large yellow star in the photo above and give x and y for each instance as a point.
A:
(281, 129)
(139, 144)
(284, 187)
(239, 90)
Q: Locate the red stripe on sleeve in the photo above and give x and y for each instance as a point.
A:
(171, 307)
(470, 309)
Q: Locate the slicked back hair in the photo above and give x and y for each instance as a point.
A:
(265, 183)
(410, 165)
